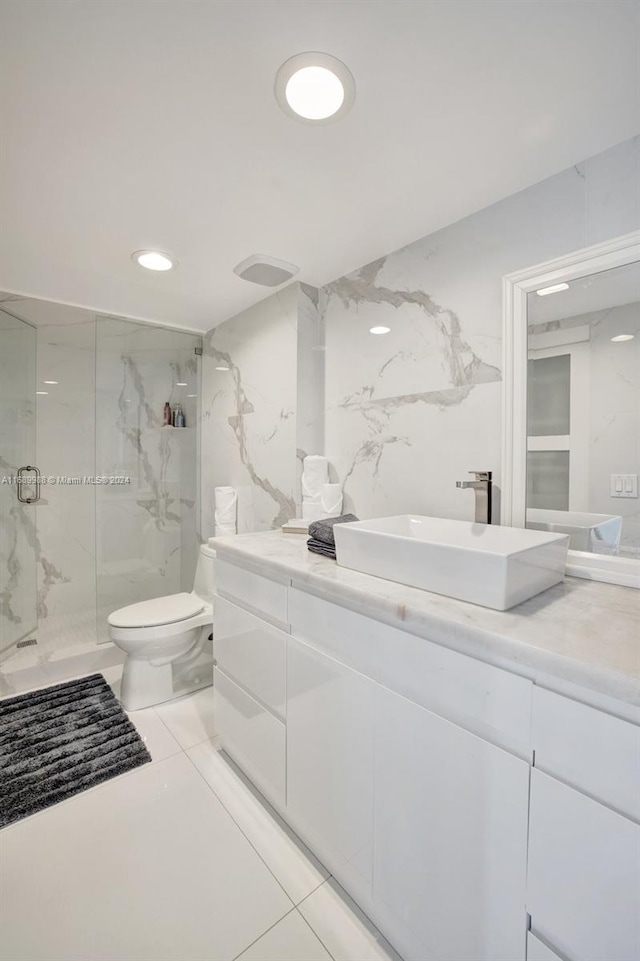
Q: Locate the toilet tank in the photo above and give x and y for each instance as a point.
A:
(203, 584)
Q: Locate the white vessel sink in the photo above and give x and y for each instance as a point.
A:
(595, 533)
(493, 566)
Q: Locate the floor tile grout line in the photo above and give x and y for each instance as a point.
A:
(255, 941)
(248, 839)
(158, 715)
(311, 927)
(165, 726)
(183, 750)
(351, 911)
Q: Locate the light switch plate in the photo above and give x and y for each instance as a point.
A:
(624, 485)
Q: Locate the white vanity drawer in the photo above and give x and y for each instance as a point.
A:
(583, 874)
(594, 752)
(259, 594)
(252, 652)
(489, 702)
(253, 737)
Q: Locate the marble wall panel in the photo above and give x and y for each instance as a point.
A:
(409, 412)
(147, 529)
(249, 413)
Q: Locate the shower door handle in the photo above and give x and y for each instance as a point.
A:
(28, 470)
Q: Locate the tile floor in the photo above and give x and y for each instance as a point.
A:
(179, 860)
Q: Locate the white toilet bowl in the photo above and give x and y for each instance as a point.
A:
(167, 641)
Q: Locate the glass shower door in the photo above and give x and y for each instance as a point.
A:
(18, 536)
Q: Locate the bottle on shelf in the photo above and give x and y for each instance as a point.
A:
(167, 415)
(180, 422)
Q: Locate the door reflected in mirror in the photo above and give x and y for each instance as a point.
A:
(583, 411)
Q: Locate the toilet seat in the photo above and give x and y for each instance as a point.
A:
(157, 612)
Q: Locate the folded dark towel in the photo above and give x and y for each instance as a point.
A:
(317, 547)
(322, 530)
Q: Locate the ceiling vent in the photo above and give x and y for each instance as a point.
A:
(266, 271)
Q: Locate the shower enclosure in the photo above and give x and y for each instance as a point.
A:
(115, 517)
(17, 450)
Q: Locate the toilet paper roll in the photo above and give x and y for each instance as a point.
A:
(331, 500)
(315, 473)
(226, 506)
(311, 511)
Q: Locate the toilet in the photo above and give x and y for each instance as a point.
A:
(167, 641)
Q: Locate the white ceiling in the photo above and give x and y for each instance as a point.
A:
(608, 288)
(130, 124)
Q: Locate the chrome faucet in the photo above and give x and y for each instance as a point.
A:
(482, 486)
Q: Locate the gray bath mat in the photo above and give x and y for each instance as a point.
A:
(61, 740)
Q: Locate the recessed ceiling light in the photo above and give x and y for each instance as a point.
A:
(620, 338)
(222, 368)
(43, 393)
(154, 259)
(379, 330)
(181, 383)
(553, 289)
(49, 381)
(192, 395)
(315, 87)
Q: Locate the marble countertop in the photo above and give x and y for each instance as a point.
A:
(582, 632)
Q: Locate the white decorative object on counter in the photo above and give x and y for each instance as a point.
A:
(226, 501)
(315, 474)
(332, 500)
(297, 525)
(311, 511)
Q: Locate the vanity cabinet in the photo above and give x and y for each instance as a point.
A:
(583, 888)
(251, 735)
(450, 797)
(583, 884)
(417, 817)
(330, 756)
(450, 840)
(537, 950)
(249, 678)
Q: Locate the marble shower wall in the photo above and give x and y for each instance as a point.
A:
(147, 530)
(262, 382)
(410, 412)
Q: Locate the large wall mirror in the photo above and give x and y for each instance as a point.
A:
(571, 448)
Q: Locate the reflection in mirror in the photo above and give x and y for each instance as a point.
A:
(583, 411)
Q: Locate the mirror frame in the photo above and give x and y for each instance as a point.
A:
(515, 288)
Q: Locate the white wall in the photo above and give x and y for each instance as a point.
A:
(614, 415)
